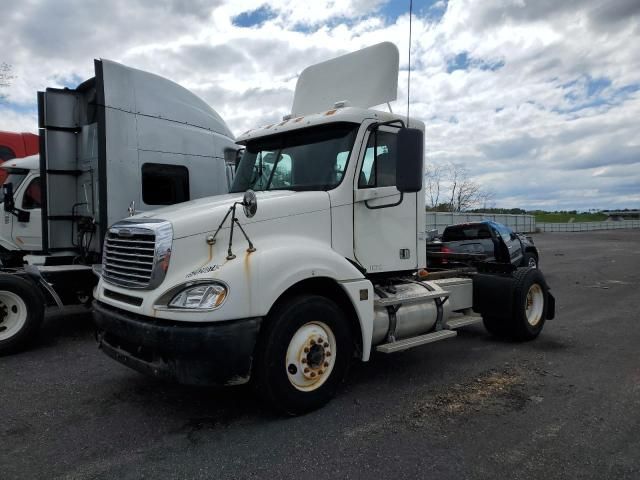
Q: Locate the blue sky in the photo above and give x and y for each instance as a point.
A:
(537, 100)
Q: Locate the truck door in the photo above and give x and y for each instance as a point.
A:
(28, 235)
(385, 227)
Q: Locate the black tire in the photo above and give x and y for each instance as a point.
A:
(271, 374)
(19, 322)
(496, 326)
(526, 279)
(519, 324)
(530, 260)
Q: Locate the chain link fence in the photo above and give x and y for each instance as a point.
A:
(587, 226)
(521, 223)
(518, 223)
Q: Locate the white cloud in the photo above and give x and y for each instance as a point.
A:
(543, 108)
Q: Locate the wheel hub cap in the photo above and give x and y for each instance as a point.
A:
(13, 314)
(534, 304)
(310, 356)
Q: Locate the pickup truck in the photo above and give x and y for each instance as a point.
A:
(487, 240)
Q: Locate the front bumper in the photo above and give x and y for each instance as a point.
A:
(217, 353)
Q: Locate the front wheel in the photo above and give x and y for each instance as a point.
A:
(303, 354)
(21, 313)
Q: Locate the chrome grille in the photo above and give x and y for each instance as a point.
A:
(136, 255)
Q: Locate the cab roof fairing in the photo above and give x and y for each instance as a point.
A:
(343, 115)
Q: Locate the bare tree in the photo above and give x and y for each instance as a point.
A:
(5, 78)
(434, 177)
(460, 191)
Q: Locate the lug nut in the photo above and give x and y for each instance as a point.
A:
(328, 354)
(312, 342)
(313, 374)
(306, 370)
(326, 364)
(306, 350)
(320, 372)
(320, 341)
(304, 360)
(326, 345)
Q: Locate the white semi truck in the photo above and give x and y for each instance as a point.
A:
(123, 141)
(323, 263)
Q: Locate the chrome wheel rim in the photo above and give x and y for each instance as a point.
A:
(13, 314)
(534, 304)
(311, 356)
(532, 263)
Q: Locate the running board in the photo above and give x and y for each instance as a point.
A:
(408, 343)
(463, 322)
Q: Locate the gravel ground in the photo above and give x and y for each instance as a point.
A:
(564, 406)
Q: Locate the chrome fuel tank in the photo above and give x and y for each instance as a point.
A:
(412, 319)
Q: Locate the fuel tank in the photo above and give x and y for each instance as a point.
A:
(415, 318)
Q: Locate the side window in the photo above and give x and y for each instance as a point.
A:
(505, 233)
(6, 153)
(379, 165)
(484, 232)
(282, 175)
(32, 195)
(164, 184)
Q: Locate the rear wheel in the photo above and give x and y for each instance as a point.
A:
(529, 303)
(303, 354)
(21, 313)
(529, 308)
(496, 326)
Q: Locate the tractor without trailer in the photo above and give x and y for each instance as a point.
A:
(123, 141)
(315, 257)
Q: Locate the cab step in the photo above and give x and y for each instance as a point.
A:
(411, 342)
(463, 321)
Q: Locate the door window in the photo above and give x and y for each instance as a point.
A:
(32, 195)
(164, 184)
(505, 232)
(379, 165)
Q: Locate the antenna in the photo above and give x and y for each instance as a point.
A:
(409, 72)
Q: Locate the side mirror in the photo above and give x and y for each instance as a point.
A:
(23, 216)
(410, 163)
(250, 203)
(7, 189)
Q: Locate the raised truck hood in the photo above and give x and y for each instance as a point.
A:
(204, 215)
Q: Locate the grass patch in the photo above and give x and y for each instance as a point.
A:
(566, 217)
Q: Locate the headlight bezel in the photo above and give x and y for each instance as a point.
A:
(164, 302)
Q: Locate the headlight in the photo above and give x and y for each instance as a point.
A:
(202, 297)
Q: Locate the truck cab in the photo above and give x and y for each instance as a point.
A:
(122, 142)
(16, 145)
(313, 258)
(21, 228)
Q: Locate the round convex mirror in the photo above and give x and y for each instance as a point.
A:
(250, 203)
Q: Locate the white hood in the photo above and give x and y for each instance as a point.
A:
(204, 215)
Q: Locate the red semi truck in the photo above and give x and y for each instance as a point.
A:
(16, 145)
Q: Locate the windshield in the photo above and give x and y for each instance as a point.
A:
(309, 159)
(16, 179)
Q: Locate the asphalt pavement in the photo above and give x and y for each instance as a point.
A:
(566, 405)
